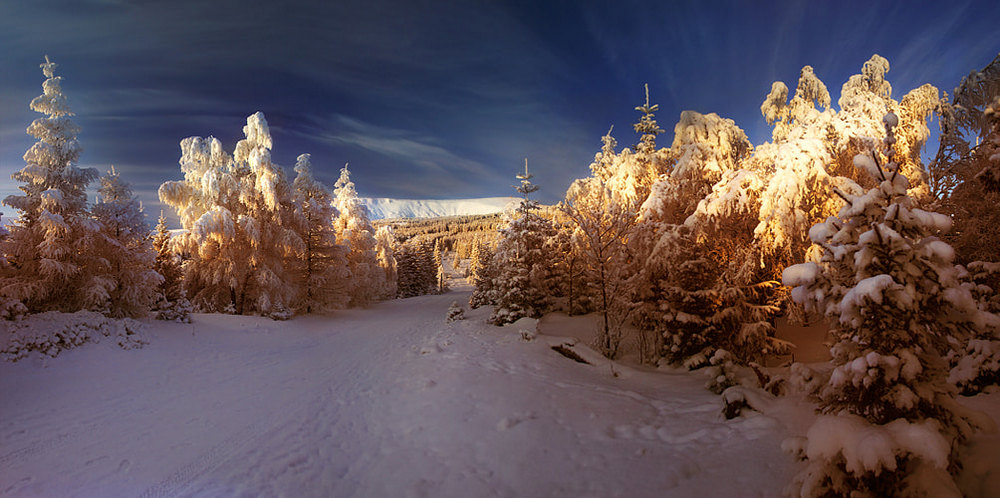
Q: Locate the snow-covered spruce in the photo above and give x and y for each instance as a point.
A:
(172, 303)
(129, 280)
(321, 270)
(355, 231)
(483, 273)
(521, 259)
(890, 423)
(416, 269)
(51, 249)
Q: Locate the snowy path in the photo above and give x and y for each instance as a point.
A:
(389, 401)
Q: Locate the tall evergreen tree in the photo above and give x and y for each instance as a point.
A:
(324, 280)
(50, 248)
(483, 273)
(125, 250)
(172, 302)
(521, 259)
(892, 293)
(355, 231)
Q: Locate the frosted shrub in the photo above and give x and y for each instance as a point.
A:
(721, 372)
(455, 312)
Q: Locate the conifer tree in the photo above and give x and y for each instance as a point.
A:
(125, 250)
(51, 246)
(355, 231)
(172, 303)
(521, 259)
(483, 274)
(323, 276)
(892, 293)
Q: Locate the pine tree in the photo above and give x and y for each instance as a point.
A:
(416, 269)
(125, 249)
(892, 293)
(322, 267)
(172, 303)
(50, 248)
(521, 259)
(483, 274)
(355, 231)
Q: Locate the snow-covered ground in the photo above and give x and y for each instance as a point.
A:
(388, 401)
(386, 208)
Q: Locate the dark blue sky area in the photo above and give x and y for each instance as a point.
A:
(444, 99)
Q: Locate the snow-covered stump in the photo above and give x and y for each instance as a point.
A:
(890, 423)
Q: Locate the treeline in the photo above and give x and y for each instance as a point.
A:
(254, 241)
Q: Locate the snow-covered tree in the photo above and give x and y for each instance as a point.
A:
(355, 231)
(521, 259)
(602, 229)
(890, 423)
(129, 278)
(172, 303)
(441, 277)
(324, 280)
(417, 272)
(51, 245)
(569, 275)
(483, 274)
(385, 246)
(698, 290)
(238, 213)
(961, 175)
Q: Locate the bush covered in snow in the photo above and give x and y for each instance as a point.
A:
(455, 312)
(51, 333)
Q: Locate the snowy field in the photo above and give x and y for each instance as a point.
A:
(388, 401)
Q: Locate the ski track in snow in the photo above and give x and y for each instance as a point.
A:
(389, 401)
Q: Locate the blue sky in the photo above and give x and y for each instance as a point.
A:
(443, 99)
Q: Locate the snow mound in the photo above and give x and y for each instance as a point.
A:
(51, 333)
(386, 208)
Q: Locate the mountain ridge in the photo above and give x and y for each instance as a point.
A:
(389, 208)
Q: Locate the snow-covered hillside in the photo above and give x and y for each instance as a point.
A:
(385, 208)
(387, 401)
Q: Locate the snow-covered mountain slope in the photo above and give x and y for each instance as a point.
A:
(385, 208)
